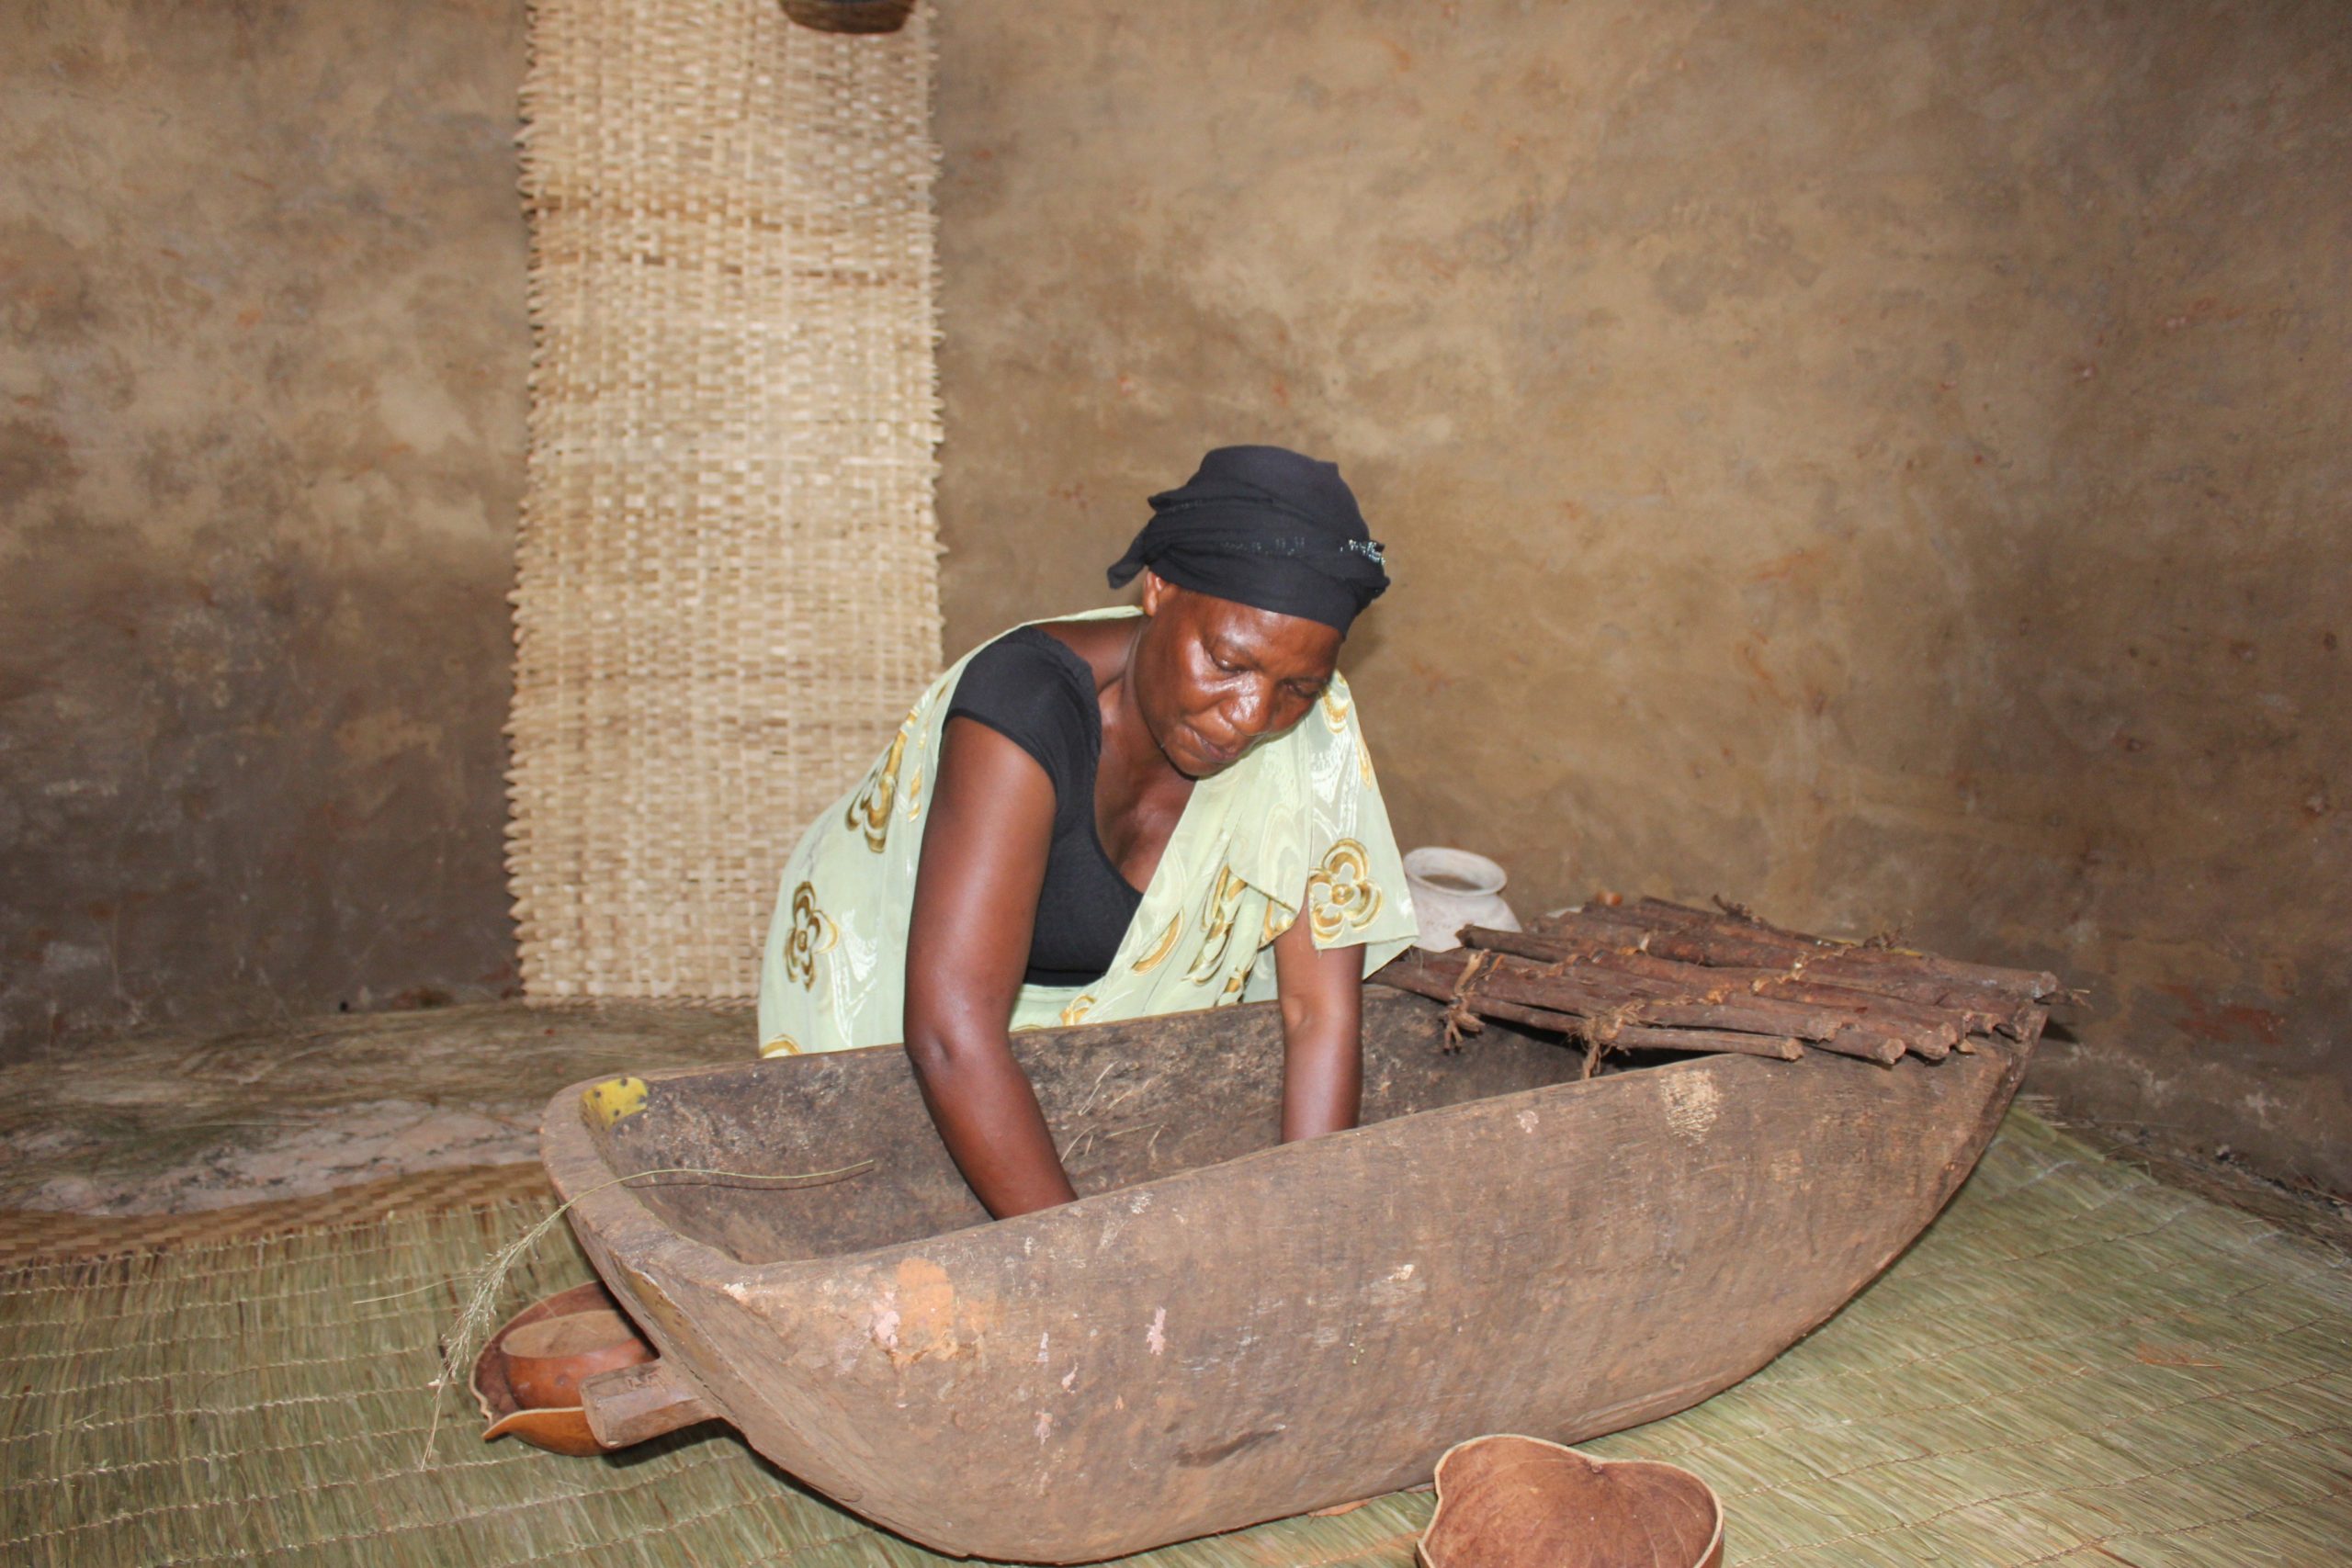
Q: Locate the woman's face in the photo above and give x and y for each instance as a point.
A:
(1211, 676)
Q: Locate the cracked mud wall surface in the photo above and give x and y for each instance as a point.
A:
(1884, 462)
(261, 435)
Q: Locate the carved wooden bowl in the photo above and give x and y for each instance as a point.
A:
(1510, 1502)
(569, 1336)
(548, 1360)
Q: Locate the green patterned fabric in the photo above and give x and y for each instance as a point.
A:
(1295, 828)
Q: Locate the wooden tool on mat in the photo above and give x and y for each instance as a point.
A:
(1512, 1502)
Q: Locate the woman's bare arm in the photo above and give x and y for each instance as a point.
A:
(1322, 1005)
(984, 846)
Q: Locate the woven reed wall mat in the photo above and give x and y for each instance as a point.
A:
(727, 575)
(2075, 1365)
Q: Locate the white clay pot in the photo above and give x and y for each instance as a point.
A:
(1453, 888)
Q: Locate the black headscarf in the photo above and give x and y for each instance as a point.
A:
(1263, 526)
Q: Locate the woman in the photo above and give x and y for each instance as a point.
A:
(1113, 815)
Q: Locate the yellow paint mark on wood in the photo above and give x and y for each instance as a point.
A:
(614, 1099)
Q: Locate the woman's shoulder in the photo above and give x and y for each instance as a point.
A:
(1100, 643)
(1029, 687)
(1027, 657)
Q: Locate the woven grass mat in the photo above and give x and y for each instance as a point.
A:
(2076, 1365)
(727, 583)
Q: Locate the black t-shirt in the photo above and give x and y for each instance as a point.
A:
(1033, 689)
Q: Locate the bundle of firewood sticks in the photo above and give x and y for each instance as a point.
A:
(1645, 973)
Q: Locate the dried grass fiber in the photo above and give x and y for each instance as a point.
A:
(727, 585)
(2076, 1365)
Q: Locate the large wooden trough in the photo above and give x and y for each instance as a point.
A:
(1222, 1330)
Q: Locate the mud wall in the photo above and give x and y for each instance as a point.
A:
(1886, 463)
(261, 426)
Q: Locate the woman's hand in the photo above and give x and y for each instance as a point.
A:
(1322, 1003)
(984, 846)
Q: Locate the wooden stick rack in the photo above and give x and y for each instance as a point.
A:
(1649, 974)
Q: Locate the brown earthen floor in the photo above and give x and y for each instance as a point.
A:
(164, 1123)
(175, 1123)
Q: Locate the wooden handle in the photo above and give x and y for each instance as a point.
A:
(632, 1403)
